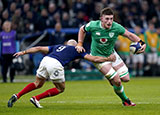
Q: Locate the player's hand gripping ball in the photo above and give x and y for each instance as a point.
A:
(134, 47)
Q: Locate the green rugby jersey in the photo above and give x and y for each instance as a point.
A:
(103, 40)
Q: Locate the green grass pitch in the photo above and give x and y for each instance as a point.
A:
(86, 98)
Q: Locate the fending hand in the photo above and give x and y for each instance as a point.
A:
(112, 57)
(80, 49)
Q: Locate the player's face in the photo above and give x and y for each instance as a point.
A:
(7, 26)
(107, 21)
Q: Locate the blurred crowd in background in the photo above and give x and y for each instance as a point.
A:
(29, 16)
(139, 16)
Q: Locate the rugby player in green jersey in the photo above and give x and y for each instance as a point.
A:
(104, 33)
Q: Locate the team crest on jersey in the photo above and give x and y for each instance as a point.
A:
(103, 40)
(111, 34)
(98, 33)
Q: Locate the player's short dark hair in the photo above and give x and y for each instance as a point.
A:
(106, 11)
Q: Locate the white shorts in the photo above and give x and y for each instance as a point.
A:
(52, 68)
(138, 58)
(117, 62)
(122, 71)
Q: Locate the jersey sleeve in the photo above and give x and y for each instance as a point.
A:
(83, 54)
(88, 26)
(50, 49)
(121, 29)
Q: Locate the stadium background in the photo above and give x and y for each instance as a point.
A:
(49, 22)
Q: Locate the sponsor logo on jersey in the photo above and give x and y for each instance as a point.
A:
(111, 34)
(103, 40)
(98, 33)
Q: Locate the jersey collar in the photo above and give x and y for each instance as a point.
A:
(104, 28)
(101, 25)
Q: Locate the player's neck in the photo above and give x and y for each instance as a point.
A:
(102, 26)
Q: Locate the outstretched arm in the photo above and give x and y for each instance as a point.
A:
(81, 36)
(33, 50)
(98, 59)
(135, 38)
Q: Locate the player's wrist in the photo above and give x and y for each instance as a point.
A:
(80, 44)
(24, 52)
(141, 42)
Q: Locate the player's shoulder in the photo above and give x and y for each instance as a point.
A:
(93, 23)
(116, 24)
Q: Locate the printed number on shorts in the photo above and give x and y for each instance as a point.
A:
(56, 73)
(60, 48)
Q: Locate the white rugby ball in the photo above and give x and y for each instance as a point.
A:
(134, 47)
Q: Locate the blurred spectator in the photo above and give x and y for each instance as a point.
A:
(42, 22)
(124, 15)
(96, 10)
(157, 10)
(155, 21)
(57, 17)
(35, 6)
(1, 8)
(151, 39)
(64, 6)
(80, 19)
(18, 3)
(5, 16)
(43, 4)
(138, 59)
(66, 22)
(134, 11)
(29, 23)
(8, 46)
(26, 8)
(18, 20)
(153, 7)
(52, 13)
(58, 37)
(52, 9)
(78, 6)
(4, 3)
(12, 9)
(89, 8)
(130, 22)
(106, 3)
(143, 22)
(146, 10)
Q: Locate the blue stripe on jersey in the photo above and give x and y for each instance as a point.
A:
(64, 53)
